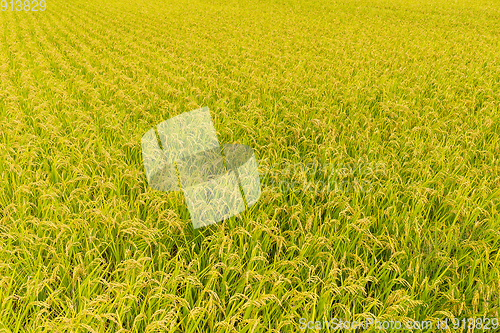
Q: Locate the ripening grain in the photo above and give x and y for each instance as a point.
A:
(86, 246)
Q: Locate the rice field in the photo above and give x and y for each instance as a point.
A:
(403, 96)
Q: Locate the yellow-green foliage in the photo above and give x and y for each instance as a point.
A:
(85, 245)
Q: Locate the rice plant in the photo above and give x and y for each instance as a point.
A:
(408, 88)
